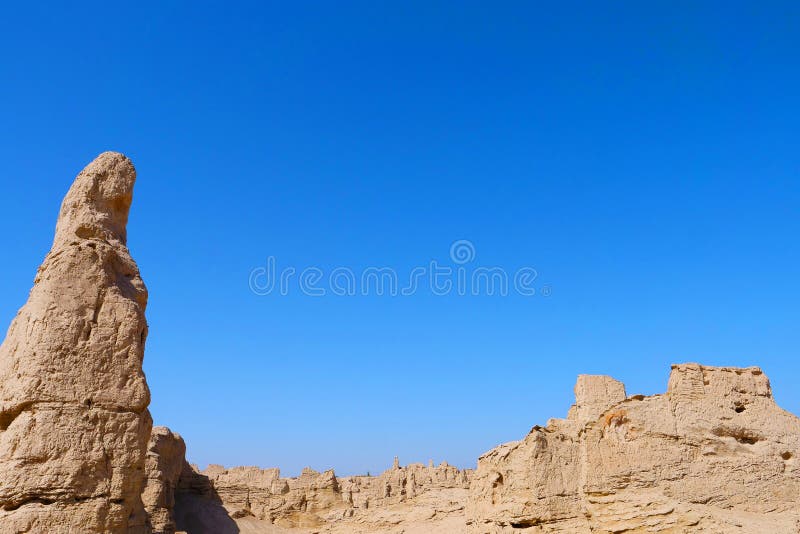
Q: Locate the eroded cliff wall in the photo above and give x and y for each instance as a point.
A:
(713, 454)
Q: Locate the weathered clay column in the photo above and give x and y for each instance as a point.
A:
(74, 423)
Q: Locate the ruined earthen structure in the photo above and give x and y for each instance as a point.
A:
(259, 500)
(74, 423)
(714, 454)
(166, 455)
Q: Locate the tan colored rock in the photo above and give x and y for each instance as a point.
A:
(714, 454)
(163, 465)
(74, 423)
(434, 511)
(400, 484)
(407, 499)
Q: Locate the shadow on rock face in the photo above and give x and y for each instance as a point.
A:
(199, 510)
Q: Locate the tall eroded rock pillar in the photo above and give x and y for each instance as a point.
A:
(74, 423)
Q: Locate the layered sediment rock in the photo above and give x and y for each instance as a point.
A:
(714, 454)
(259, 500)
(74, 423)
(163, 465)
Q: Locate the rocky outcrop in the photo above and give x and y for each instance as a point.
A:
(219, 499)
(74, 423)
(163, 465)
(713, 454)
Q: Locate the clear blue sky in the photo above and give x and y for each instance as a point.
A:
(643, 157)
